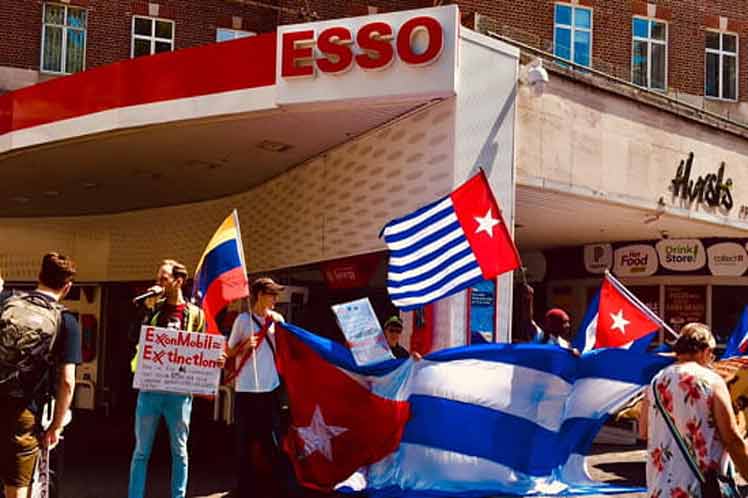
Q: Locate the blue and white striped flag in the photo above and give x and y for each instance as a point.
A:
(447, 246)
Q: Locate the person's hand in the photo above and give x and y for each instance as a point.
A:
(222, 360)
(575, 352)
(51, 437)
(416, 356)
(250, 343)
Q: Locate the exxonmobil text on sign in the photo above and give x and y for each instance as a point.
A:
(389, 55)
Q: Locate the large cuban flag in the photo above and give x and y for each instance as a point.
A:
(616, 318)
(737, 344)
(469, 421)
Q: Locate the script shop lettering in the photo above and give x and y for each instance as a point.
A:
(711, 189)
(374, 41)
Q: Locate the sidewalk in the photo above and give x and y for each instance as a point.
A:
(97, 458)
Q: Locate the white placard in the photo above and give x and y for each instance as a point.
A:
(727, 258)
(636, 260)
(178, 361)
(362, 331)
(681, 254)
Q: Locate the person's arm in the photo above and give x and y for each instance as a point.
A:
(727, 427)
(644, 417)
(63, 399)
(236, 344)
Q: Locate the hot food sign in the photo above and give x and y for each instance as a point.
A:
(389, 55)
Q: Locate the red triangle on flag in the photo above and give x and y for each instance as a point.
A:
(619, 320)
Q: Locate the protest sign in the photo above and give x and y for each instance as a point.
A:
(178, 361)
(361, 328)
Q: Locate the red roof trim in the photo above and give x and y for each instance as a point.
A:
(209, 69)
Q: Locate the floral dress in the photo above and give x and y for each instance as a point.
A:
(687, 393)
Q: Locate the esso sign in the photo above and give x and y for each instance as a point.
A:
(374, 46)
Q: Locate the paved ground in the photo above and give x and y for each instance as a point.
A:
(97, 454)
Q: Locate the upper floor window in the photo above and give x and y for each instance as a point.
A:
(649, 53)
(225, 34)
(151, 36)
(572, 33)
(63, 39)
(721, 66)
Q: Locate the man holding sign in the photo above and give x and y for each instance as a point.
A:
(163, 352)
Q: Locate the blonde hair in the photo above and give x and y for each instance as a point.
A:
(694, 338)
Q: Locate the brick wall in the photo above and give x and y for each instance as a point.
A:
(109, 26)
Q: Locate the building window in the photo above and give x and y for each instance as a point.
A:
(63, 39)
(721, 66)
(151, 36)
(572, 33)
(649, 54)
(225, 34)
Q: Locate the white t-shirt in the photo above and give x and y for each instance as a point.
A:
(267, 377)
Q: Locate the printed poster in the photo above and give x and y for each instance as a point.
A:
(178, 361)
(362, 331)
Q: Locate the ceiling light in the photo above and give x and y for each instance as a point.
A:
(89, 185)
(272, 146)
(51, 193)
(21, 199)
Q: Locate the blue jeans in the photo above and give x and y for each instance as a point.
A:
(176, 409)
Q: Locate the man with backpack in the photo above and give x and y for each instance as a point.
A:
(40, 345)
(174, 312)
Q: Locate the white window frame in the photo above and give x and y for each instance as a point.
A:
(236, 33)
(721, 53)
(572, 28)
(65, 28)
(153, 38)
(649, 40)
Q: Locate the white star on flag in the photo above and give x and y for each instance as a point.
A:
(317, 435)
(486, 223)
(619, 322)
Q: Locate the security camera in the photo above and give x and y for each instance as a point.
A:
(537, 77)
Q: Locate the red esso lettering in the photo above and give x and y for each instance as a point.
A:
(374, 40)
(297, 49)
(334, 43)
(408, 33)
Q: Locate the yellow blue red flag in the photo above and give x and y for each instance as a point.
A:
(221, 275)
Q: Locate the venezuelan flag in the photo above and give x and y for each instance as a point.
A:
(221, 275)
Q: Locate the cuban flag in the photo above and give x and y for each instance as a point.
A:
(221, 275)
(737, 344)
(483, 420)
(616, 318)
(447, 246)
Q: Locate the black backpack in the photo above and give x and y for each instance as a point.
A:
(29, 324)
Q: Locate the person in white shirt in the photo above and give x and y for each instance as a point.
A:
(252, 345)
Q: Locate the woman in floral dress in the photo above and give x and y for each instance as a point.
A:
(698, 402)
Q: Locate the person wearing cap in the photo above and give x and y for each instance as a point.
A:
(556, 329)
(257, 385)
(393, 327)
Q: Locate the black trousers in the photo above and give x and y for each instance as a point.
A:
(256, 416)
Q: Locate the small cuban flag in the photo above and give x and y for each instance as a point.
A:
(737, 344)
(617, 319)
(448, 245)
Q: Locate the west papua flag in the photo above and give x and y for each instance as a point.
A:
(338, 422)
(448, 245)
(737, 344)
(616, 318)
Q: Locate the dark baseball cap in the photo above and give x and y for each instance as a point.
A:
(266, 285)
(393, 321)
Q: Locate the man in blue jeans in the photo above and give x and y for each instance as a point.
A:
(174, 312)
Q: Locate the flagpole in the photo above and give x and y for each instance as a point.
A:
(240, 247)
(640, 305)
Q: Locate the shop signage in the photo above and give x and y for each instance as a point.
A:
(637, 260)
(374, 41)
(712, 189)
(684, 304)
(398, 54)
(681, 254)
(350, 273)
(598, 257)
(727, 259)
